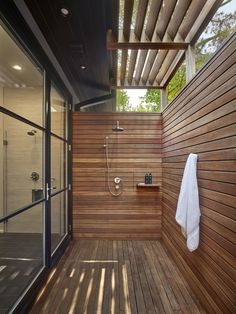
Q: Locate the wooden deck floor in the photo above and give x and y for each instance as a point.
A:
(101, 276)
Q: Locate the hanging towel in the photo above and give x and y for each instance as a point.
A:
(188, 210)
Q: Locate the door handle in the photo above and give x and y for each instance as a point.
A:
(48, 188)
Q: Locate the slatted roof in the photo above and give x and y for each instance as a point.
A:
(150, 44)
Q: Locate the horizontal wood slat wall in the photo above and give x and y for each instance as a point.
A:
(202, 120)
(136, 214)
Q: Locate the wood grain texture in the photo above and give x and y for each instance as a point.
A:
(202, 120)
(130, 277)
(136, 213)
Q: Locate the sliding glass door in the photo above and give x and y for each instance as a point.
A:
(34, 182)
(59, 166)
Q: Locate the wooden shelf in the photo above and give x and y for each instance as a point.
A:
(143, 185)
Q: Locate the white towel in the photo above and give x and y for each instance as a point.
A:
(188, 210)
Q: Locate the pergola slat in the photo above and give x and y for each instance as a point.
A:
(192, 13)
(152, 18)
(140, 65)
(163, 31)
(139, 22)
(165, 65)
(140, 17)
(153, 14)
(162, 22)
(165, 16)
(172, 30)
(148, 66)
(128, 10)
(113, 54)
(157, 65)
(205, 10)
(177, 17)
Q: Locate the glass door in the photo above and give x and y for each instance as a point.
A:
(33, 173)
(22, 172)
(59, 166)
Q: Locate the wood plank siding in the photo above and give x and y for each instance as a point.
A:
(136, 213)
(202, 120)
(102, 276)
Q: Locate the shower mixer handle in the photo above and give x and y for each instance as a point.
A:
(117, 180)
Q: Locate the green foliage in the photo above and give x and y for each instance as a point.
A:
(150, 102)
(122, 101)
(220, 28)
(177, 83)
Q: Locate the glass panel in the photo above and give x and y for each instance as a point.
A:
(21, 254)
(21, 150)
(58, 114)
(58, 163)
(58, 218)
(21, 83)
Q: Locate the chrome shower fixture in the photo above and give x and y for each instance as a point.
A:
(32, 132)
(117, 128)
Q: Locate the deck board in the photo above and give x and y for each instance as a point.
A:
(105, 276)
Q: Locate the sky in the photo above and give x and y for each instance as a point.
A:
(134, 94)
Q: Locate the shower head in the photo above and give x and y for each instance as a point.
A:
(32, 132)
(117, 128)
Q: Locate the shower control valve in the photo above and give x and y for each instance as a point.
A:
(117, 180)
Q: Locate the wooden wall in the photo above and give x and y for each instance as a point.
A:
(137, 212)
(202, 120)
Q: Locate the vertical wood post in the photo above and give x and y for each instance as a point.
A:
(164, 99)
(190, 63)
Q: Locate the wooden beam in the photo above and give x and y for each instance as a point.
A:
(164, 98)
(195, 9)
(148, 66)
(140, 65)
(192, 31)
(179, 58)
(149, 30)
(157, 65)
(124, 58)
(115, 18)
(177, 17)
(139, 22)
(128, 10)
(133, 85)
(132, 63)
(190, 63)
(166, 64)
(144, 45)
(164, 18)
(115, 27)
(161, 35)
(202, 20)
(152, 18)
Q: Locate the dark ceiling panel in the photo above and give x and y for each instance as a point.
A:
(78, 39)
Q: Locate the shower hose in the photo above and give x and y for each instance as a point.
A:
(108, 169)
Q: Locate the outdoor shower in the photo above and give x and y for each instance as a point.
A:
(117, 180)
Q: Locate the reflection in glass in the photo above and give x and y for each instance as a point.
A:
(58, 218)
(58, 114)
(58, 162)
(21, 254)
(21, 83)
(21, 150)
